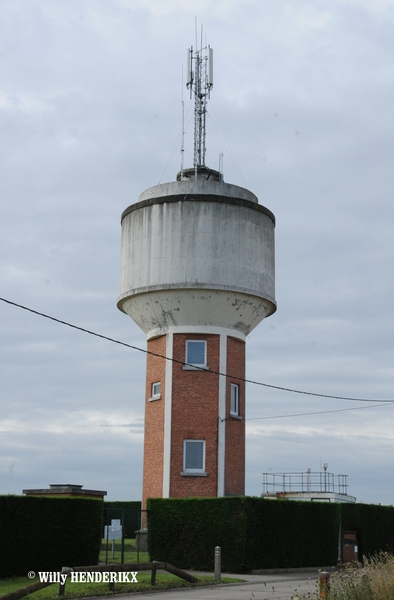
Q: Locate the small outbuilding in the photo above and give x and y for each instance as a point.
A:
(66, 489)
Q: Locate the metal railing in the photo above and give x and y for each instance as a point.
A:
(309, 481)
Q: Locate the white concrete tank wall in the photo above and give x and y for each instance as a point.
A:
(197, 253)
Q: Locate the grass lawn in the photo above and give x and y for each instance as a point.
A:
(81, 590)
(130, 552)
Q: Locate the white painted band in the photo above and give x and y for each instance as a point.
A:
(205, 329)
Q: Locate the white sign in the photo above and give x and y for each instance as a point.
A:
(113, 531)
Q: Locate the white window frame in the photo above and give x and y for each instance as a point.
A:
(234, 399)
(156, 395)
(191, 365)
(191, 471)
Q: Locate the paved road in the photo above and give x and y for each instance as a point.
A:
(257, 587)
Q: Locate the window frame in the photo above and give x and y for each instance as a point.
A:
(234, 400)
(157, 395)
(195, 366)
(192, 471)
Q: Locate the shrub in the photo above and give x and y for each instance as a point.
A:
(47, 533)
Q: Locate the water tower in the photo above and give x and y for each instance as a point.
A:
(197, 275)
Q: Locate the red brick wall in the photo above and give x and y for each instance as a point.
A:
(154, 422)
(234, 478)
(194, 416)
(195, 399)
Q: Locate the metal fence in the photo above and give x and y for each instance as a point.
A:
(308, 481)
(121, 524)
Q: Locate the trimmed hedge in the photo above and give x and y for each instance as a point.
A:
(285, 533)
(131, 515)
(257, 533)
(374, 525)
(184, 532)
(46, 534)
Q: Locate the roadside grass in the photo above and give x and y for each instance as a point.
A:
(82, 590)
(373, 580)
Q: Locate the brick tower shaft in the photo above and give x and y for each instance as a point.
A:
(207, 409)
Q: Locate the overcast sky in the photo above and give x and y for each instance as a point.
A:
(90, 116)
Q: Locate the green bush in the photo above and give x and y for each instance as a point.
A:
(285, 533)
(253, 533)
(46, 533)
(374, 525)
(257, 533)
(184, 532)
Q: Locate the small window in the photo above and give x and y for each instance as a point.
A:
(155, 391)
(234, 399)
(196, 353)
(194, 456)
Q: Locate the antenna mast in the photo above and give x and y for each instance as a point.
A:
(200, 82)
(183, 131)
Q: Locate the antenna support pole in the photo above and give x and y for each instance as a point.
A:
(200, 82)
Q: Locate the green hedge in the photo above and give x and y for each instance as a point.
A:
(285, 533)
(129, 511)
(374, 525)
(257, 533)
(184, 532)
(45, 534)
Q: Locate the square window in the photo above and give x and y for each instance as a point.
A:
(156, 390)
(234, 399)
(194, 456)
(196, 353)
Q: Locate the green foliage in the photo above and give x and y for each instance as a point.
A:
(184, 532)
(164, 581)
(257, 533)
(128, 512)
(253, 533)
(374, 525)
(285, 533)
(47, 533)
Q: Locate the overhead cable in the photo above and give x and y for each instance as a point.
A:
(260, 383)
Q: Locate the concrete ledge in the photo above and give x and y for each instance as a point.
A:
(196, 198)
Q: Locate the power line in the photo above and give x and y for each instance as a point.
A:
(260, 383)
(304, 414)
(320, 412)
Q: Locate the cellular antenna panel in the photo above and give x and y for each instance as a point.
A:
(200, 82)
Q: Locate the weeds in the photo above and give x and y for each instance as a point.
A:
(373, 580)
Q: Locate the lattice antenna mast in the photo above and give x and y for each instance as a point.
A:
(200, 82)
